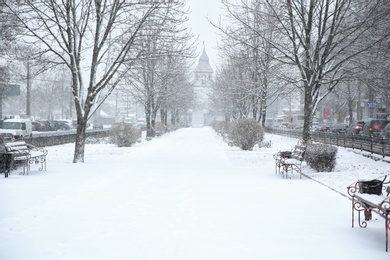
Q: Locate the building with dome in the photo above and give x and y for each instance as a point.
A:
(203, 74)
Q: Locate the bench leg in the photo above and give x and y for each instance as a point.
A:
(276, 167)
(359, 207)
(26, 167)
(286, 169)
(387, 231)
(353, 211)
(300, 171)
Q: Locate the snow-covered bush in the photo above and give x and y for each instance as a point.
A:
(217, 126)
(124, 135)
(172, 127)
(265, 144)
(221, 127)
(160, 129)
(245, 133)
(321, 157)
(96, 140)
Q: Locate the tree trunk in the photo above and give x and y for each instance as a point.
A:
(350, 104)
(80, 142)
(149, 132)
(308, 113)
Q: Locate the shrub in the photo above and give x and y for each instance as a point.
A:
(218, 126)
(96, 140)
(321, 157)
(245, 133)
(172, 127)
(222, 128)
(160, 129)
(265, 144)
(124, 135)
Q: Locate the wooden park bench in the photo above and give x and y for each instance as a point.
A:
(371, 196)
(24, 155)
(290, 161)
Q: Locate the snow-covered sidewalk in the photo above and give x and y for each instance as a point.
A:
(185, 195)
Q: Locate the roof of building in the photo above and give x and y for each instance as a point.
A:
(204, 63)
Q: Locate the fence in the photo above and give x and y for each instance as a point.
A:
(374, 145)
(58, 138)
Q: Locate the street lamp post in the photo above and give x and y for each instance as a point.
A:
(28, 90)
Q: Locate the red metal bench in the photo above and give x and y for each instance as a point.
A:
(25, 155)
(370, 196)
(290, 161)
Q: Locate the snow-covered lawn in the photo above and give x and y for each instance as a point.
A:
(185, 195)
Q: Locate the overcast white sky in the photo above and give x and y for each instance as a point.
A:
(200, 10)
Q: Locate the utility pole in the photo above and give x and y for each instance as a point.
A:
(28, 94)
(2, 89)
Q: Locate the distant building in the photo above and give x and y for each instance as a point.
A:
(203, 81)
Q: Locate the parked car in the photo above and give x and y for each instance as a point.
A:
(386, 132)
(374, 127)
(291, 126)
(16, 128)
(314, 126)
(37, 126)
(54, 125)
(48, 125)
(63, 124)
(284, 125)
(97, 125)
(141, 124)
(268, 122)
(340, 128)
(324, 127)
(355, 128)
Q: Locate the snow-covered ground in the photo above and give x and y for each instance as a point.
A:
(185, 195)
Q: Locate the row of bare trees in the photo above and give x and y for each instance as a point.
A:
(160, 78)
(302, 47)
(141, 46)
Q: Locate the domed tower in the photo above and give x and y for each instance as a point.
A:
(203, 80)
(203, 72)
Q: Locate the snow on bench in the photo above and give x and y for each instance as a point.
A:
(25, 154)
(290, 161)
(371, 196)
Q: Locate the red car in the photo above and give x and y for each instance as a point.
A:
(374, 127)
(359, 125)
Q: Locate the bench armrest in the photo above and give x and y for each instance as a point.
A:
(37, 149)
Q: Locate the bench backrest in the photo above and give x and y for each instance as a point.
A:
(18, 146)
(299, 152)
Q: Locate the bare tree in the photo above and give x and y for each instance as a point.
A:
(232, 90)
(9, 31)
(177, 93)
(320, 38)
(316, 39)
(166, 44)
(51, 94)
(95, 39)
(245, 23)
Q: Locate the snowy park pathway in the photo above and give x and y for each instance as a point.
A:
(185, 195)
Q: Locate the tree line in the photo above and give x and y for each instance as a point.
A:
(308, 50)
(88, 48)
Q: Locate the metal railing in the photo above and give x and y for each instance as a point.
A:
(374, 145)
(57, 138)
